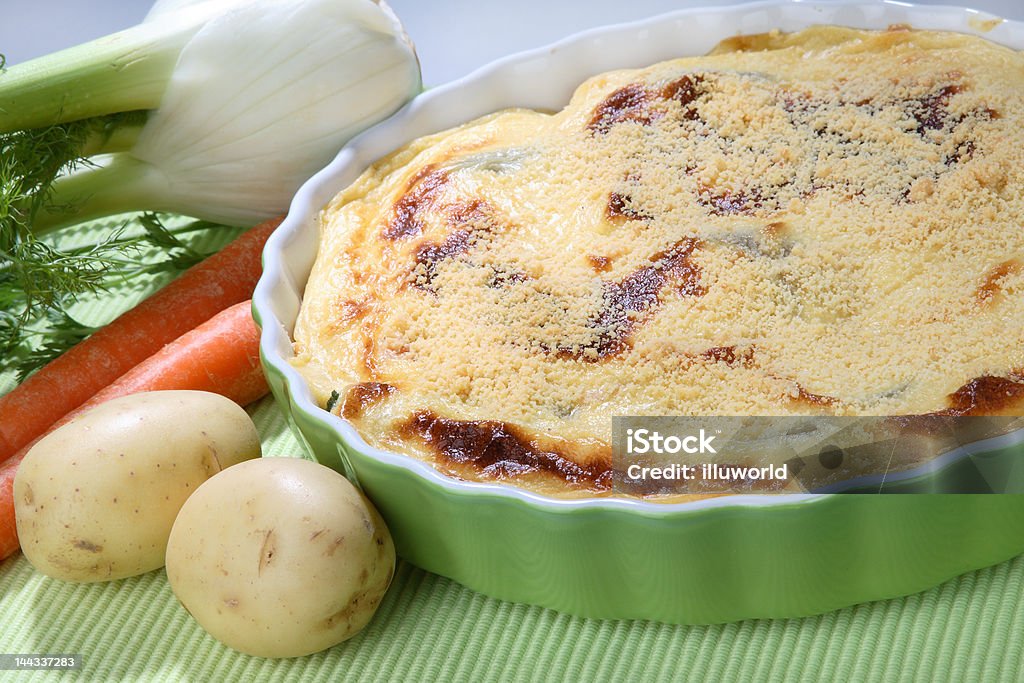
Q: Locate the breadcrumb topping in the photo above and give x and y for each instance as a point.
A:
(827, 221)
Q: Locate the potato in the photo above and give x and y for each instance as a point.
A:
(280, 557)
(95, 499)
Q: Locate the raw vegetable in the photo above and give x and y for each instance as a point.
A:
(225, 278)
(35, 274)
(217, 109)
(95, 499)
(40, 279)
(279, 557)
(220, 356)
(249, 98)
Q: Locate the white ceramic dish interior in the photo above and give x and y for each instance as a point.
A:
(545, 79)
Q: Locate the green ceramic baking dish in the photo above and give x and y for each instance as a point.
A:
(708, 561)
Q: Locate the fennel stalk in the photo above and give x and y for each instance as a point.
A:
(215, 109)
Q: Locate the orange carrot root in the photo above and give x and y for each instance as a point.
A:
(8, 531)
(222, 280)
(222, 356)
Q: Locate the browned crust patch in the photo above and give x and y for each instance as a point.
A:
(991, 287)
(499, 450)
(988, 395)
(422, 192)
(362, 396)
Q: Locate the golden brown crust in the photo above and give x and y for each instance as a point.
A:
(822, 222)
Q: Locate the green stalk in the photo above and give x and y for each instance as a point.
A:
(122, 184)
(124, 71)
(119, 135)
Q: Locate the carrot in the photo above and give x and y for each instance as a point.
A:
(221, 355)
(8, 530)
(223, 279)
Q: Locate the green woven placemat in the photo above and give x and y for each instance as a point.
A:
(432, 629)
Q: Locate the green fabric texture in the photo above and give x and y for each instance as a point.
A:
(432, 629)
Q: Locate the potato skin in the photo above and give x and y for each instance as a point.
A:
(280, 557)
(95, 499)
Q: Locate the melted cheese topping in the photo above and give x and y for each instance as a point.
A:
(828, 221)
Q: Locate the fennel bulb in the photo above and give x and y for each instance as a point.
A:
(249, 98)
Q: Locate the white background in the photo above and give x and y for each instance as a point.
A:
(452, 37)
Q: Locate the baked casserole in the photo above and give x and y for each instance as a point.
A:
(825, 222)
